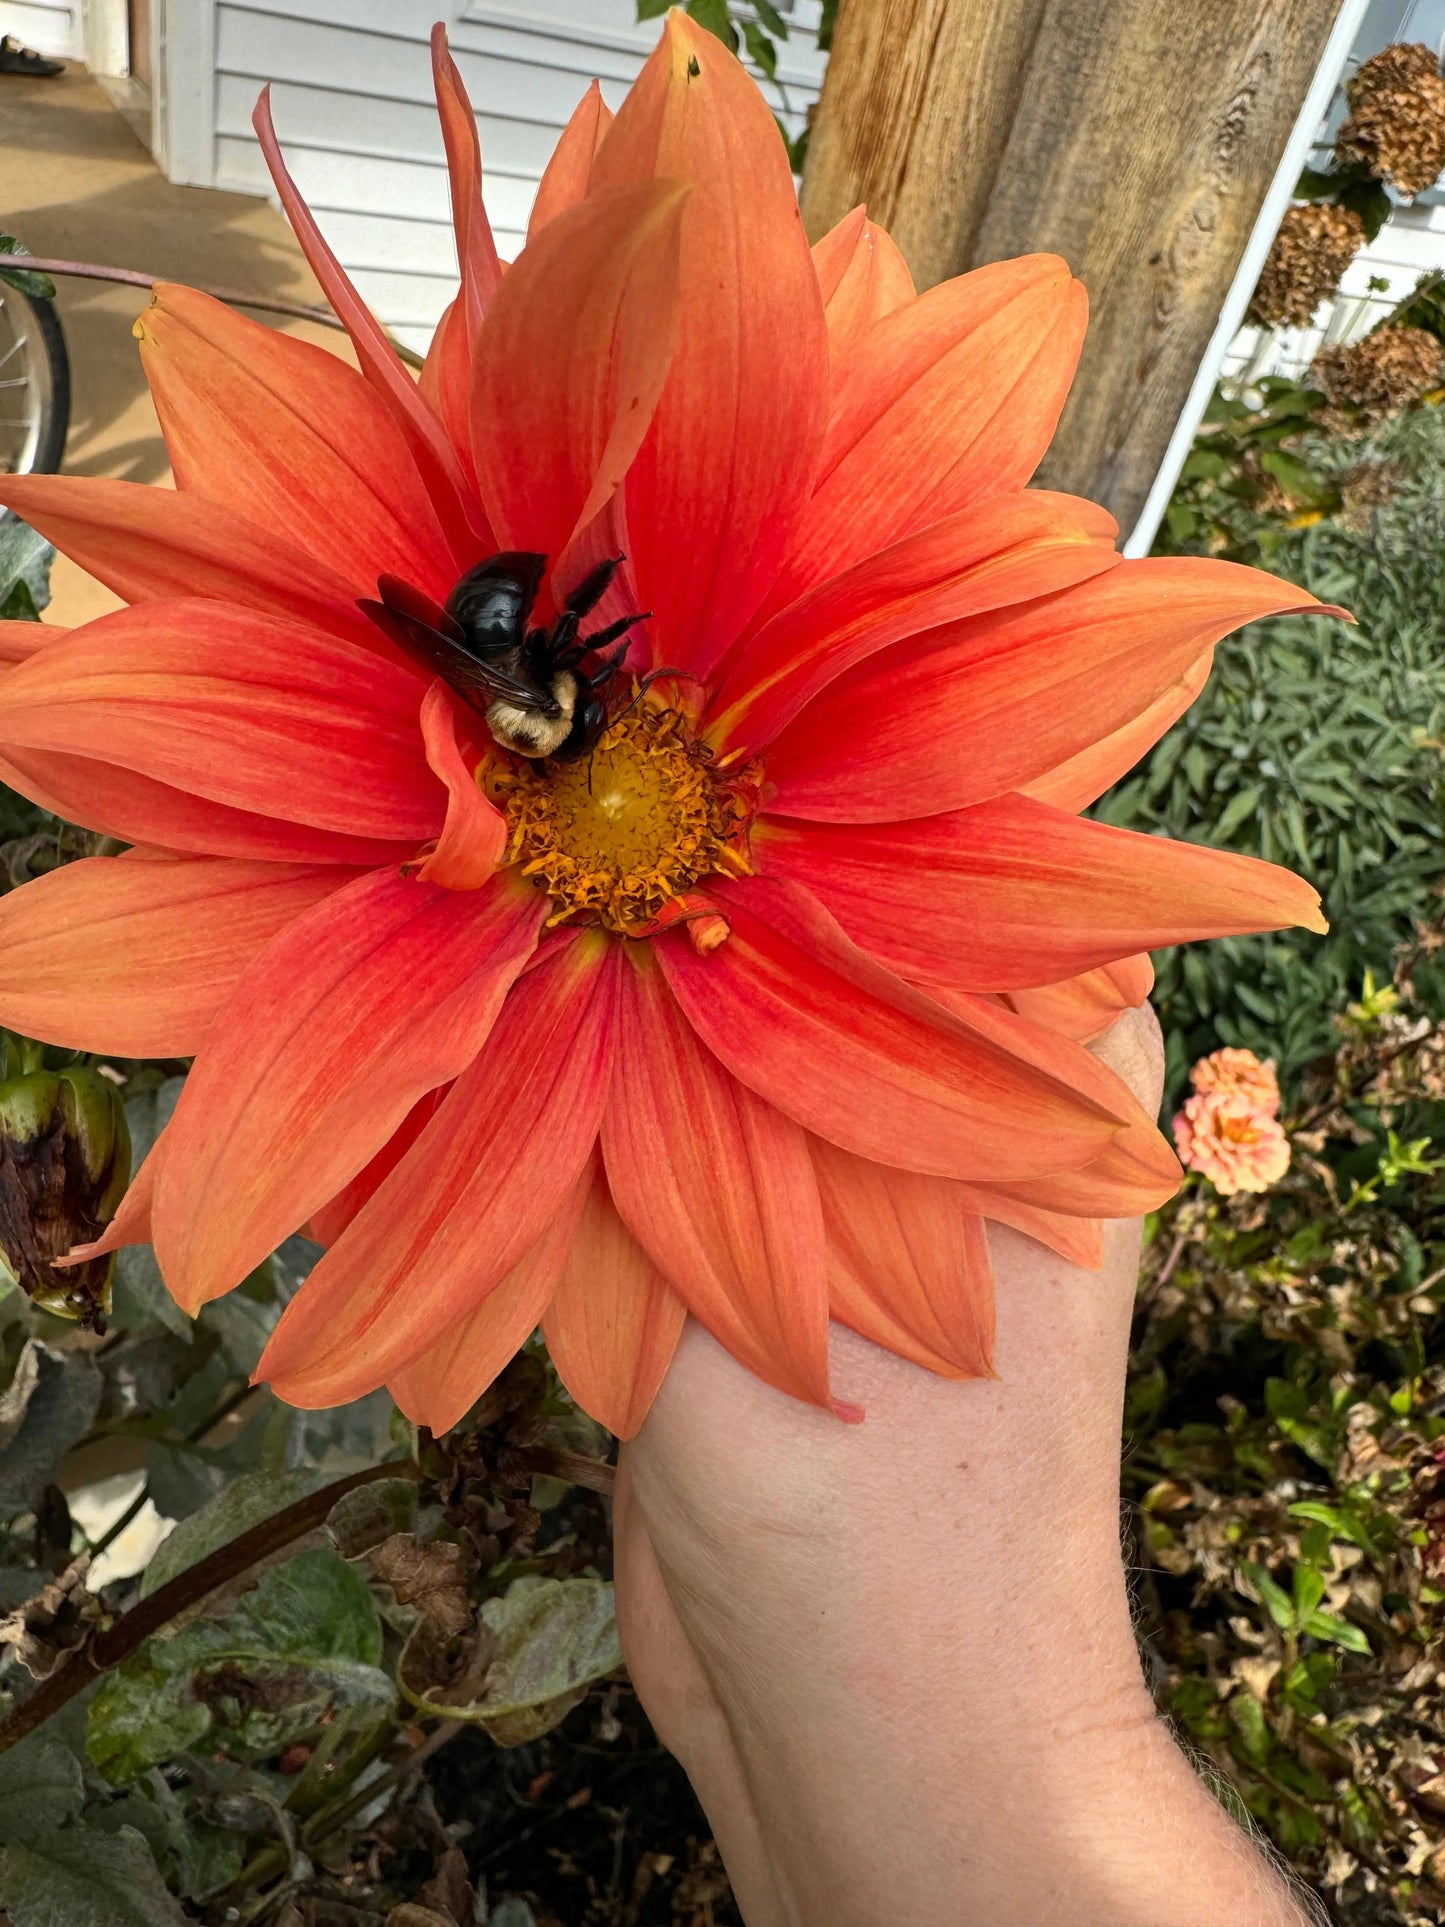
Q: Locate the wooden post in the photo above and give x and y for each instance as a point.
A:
(1137, 138)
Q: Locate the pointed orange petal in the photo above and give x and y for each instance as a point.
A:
(291, 439)
(861, 276)
(569, 172)
(136, 959)
(1013, 893)
(1004, 551)
(732, 451)
(1084, 1007)
(1080, 1240)
(474, 838)
(1136, 1174)
(481, 271)
(909, 1265)
(572, 359)
(1084, 778)
(442, 1384)
(436, 460)
(614, 1323)
(249, 710)
(446, 381)
(469, 1199)
(989, 704)
(146, 542)
(950, 398)
(717, 1188)
(376, 996)
(137, 809)
(131, 1224)
(813, 1024)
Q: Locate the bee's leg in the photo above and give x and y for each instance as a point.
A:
(615, 629)
(591, 589)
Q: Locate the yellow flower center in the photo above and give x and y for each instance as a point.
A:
(628, 830)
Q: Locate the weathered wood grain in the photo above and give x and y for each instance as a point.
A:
(1137, 138)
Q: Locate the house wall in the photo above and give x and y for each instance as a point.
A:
(351, 93)
(46, 26)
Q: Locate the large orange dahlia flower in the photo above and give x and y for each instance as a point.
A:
(761, 1006)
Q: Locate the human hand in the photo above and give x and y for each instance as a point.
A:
(896, 1658)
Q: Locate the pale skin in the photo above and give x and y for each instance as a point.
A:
(896, 1659)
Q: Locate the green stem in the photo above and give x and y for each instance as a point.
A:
(188, 1588)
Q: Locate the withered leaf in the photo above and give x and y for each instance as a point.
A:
(433, 1578)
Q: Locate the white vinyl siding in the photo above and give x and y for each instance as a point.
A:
(45, 26)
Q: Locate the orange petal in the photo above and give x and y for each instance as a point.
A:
(950, 398)
(249, 710)
(909, 1265)
(1084, 778)
(137, 809)
(291, 439)
(146, 542)
(572, 359)
(987, 705)
(1080, 1240)
(376, 996)
(131, 1224)
(614, 1323)
(474, 838)
(1136, 1174)
(442, 1384)
(1013, 893)
(481, 271)
(468, 1200)
(446, 381)
(19, 641)
(325, 1226)
(445, 480)
(569, 172)
(735, 441)
(136, 959)
(1004, 551)
(813, 1024)
(861, 276)
(1084, 1007)
(717, 1188)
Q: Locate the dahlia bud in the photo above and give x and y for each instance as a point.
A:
(64, 1165)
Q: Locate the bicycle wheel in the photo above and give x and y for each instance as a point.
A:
(34, 385)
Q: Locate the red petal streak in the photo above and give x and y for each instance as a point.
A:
(950, 398)
(1013, 893)
(861, 276)
(1084, 778)
(481, 271)
(436, 461)
(136, 809)
(813, 1024)
(569, 172)
(376, 996)
(469, 1200)
(290, 438)
(136, 959)
(1002, 552)
(909, 1265)
(720, 484)
(474, 838)
(614, 1323)
(717, 1188)
(987, 706)
(326, 1225)
(146, 542)
(1084, 1007)
(245, 709)
(1080, 1240)
(573, 357)
(441, 1385)
(19, 641)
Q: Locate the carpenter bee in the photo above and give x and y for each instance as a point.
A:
(530, 684)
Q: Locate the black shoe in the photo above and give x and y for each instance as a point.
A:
(15, 59)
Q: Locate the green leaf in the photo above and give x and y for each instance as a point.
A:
(761, 51)
(40, 287)
(771, 18)
(41, 1785)
(1339, 1632)
(713, 15)
(78, 1878)
(49, 1407)
(25, 559)
(1275, 1599)
(650, 9)
(244, 1503)
(1309, 1590)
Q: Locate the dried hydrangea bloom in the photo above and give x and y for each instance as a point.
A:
(1233, 1144)
(1316, 242)
(1234, 1072)
(764, 992)
(1397, 118)
(1369, 380)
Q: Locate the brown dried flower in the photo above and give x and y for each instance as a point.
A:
(1397, 119)
(1315, 244)
(1377, 377)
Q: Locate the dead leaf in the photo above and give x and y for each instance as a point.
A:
(433, 1578)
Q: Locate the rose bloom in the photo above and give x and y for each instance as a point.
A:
(1234, 1072)
(1237, 1146)
(754, 980)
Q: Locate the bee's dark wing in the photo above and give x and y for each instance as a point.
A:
(476, 682)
